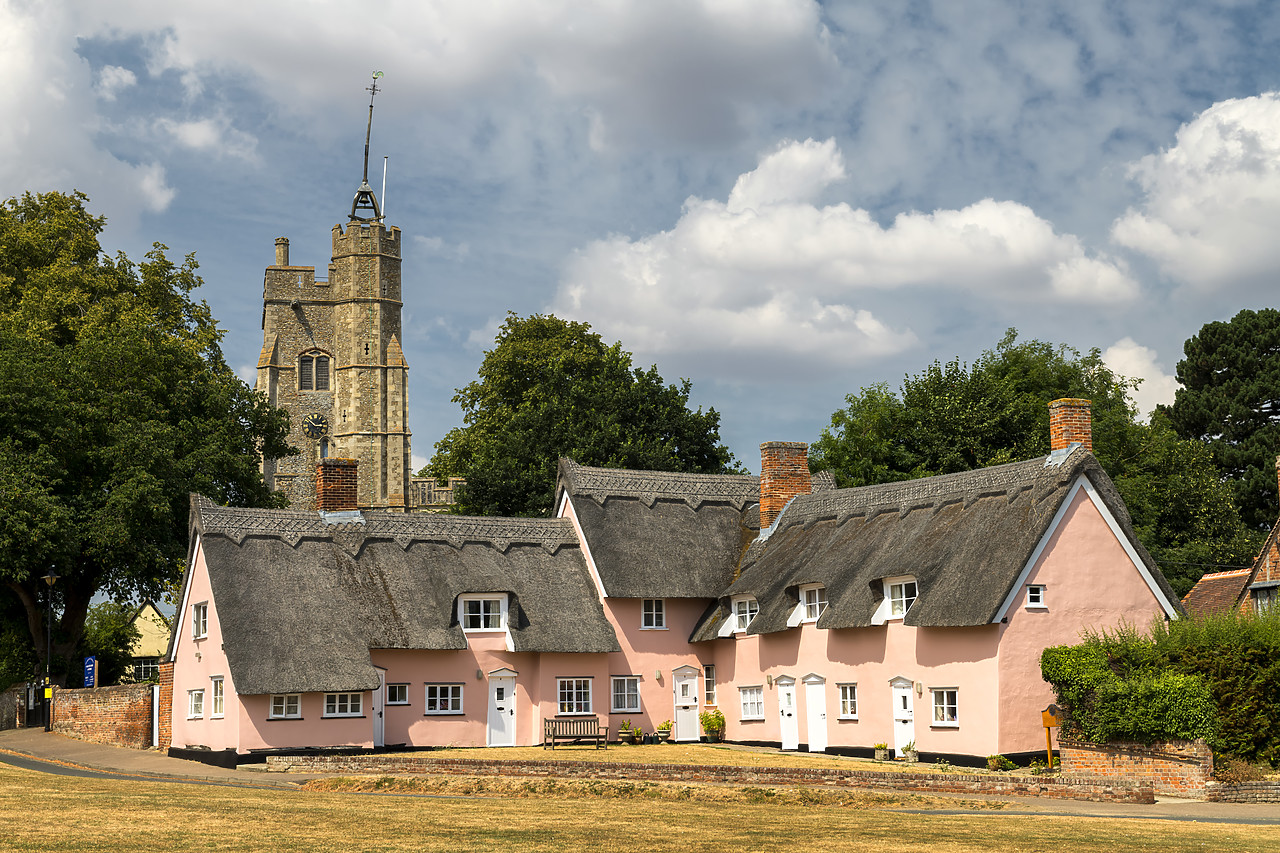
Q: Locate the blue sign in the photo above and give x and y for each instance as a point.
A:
(90, 672)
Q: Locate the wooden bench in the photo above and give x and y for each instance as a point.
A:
(577, 730)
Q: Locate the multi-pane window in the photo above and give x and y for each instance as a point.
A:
(1035, 595)
(744, 610)
(1264, 598)
(574, 695)
(195, 704)
(752, 702)
(902, 595)
(482, 614)
(219, 703)
(945, 707)
(444, 698)
(709, 683)
(286, 706)
(200, 620)
(848, 701)
(626, 694)
(397, 694)
(343, 704)
(313, 372)
(814, 599)
(146, 669)
(654, 614)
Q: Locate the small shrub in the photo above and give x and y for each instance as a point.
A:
(999, 763)
(1233, 771)
(943, 766)
(712, 722)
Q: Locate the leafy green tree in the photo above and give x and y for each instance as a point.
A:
(1230, 399)
(115, 404)
(955, 417)
(552, 388)
(109, 634)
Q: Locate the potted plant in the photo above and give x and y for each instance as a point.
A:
(882, 751)
(664, 731)
(909, 753)
(713, 724)
(626, 734)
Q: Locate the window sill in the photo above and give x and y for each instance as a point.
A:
(654, 628)
(201, 717)
(483, 630)
(625, 711)
(442, 713)
(1037, 607)
(944, 725)
(576, 714)
(282, 719)
(342, 716)
(751, 719)
(397, 704)
(848, 719)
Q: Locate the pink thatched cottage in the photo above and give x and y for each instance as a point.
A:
(910, 612)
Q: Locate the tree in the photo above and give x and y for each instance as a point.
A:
(953, 417)
(1230, 399)
(552, 388)
(109, 635)
(115, 404)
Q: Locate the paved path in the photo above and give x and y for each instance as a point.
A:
(35, 749)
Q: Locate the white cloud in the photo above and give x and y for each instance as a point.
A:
(1130, 359)
(212, 135)
(1212, 202)
(769, 280)
(112, 80)
(439, 247)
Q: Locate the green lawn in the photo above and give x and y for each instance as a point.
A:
(39, 812)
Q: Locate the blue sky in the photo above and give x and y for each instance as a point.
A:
(782, 200)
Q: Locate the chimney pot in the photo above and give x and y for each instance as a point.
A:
(784, 473)
(1070, 422)
(282, 251)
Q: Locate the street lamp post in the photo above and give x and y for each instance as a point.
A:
(50, 579)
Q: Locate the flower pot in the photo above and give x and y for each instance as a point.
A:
(627, 737)
(882, 755)
(910, 756)
(664, 735)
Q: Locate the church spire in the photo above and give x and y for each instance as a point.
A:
(365, 201)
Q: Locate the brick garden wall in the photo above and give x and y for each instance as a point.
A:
(165, 728)
(1180, 769)
(120, 716)
(1095, 790)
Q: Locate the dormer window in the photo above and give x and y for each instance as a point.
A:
(482, 612)
(313, 372)
(901, 593)
(744, 610)
(813, 601)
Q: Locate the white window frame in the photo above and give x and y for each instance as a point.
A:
(447, 699)
(218, 698)
(653, 614)
(889, 586)
(1036, 597)
(195, 704)
(848, 701)
(946, 707)
(813, 602)
(401, 688)
(285, 706)
(485, 615)
(343, 705)
(709, 683)
(751, 700)
(745, 610)
(200, 620)
(630, 691)
(570, 699)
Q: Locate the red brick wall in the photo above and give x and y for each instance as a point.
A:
(1070, 420)
(165, 728)
(120, 716)
(1180, 768)
(784, 473)
(336, 485)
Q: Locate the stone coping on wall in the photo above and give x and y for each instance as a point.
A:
(1088, 789)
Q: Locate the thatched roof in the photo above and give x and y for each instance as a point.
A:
(301, 602)
(965, 538)
(658, 534)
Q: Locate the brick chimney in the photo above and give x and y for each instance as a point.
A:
(336, 485)
(1070, 421)
(282, 251)
(784, 473)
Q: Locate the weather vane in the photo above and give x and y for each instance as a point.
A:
(365, 201)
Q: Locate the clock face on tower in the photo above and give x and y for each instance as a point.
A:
(315, 426)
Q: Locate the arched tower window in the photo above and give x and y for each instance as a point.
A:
(313, 372)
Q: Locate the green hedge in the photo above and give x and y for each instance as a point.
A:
(1215, 677)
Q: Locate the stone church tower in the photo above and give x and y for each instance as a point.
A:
(331, 357)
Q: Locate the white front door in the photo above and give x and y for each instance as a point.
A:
(376, 707)
(815, 701)
(684, 684)
(502, 708)
(904, 718)
(788, 722)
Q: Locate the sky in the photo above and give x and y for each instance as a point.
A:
(784, 201)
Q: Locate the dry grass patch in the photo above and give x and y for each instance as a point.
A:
(611, 789)
(681, 753)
